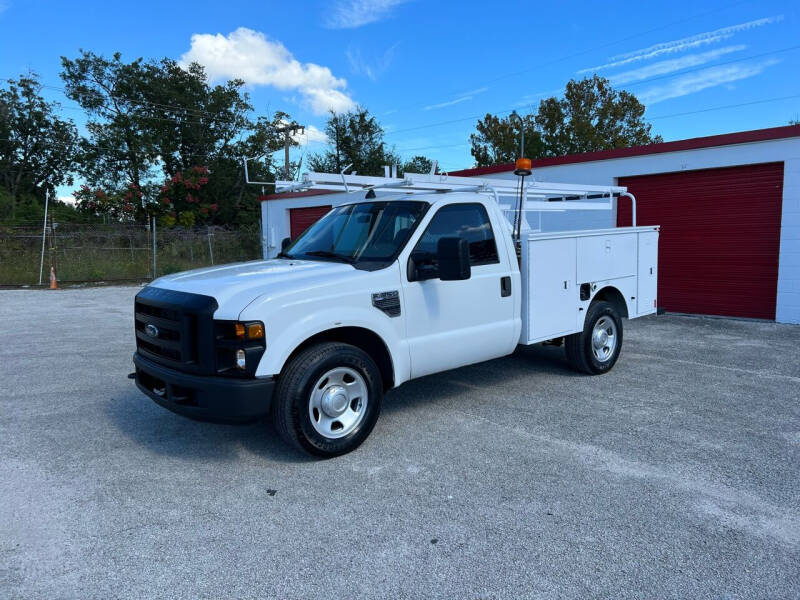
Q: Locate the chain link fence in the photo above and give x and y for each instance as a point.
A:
(82, 253)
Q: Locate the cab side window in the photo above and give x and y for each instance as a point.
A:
(469, 221)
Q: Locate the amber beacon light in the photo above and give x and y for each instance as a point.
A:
(522, 166)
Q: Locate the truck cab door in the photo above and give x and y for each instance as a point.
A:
(454, 323)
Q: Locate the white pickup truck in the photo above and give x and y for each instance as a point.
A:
(384, 289)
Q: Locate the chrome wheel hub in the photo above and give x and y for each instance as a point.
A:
(334, 401)
(604, 339)
(338, 402)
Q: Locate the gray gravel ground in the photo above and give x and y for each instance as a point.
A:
(674, 476)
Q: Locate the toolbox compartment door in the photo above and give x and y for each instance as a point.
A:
(647, 282)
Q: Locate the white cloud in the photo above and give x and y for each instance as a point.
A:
(251, 56)
(448, 103)
(459, 99)
(312, 135)
(65, 199)
(701, 80)
(687, 43)
(672, 65)
(349, 14)
(373, 69)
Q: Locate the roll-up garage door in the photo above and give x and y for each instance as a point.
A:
(720, 237)
(301, 219)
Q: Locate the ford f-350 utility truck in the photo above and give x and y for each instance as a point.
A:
(437, 274)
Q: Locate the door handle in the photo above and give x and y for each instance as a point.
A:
(505, 286)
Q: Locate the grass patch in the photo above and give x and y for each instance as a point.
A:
(109, 253)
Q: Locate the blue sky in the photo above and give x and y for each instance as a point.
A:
(427, 69)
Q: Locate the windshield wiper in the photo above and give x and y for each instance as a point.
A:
(329, 254)
(283, 255)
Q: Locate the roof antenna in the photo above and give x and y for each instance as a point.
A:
(522, 170)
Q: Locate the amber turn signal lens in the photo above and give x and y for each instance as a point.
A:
(240, 330)
(255, 331)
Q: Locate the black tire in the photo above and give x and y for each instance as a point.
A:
(290, 405)
(579, 346)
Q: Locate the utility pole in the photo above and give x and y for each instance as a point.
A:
(289, 130)
(44, 232)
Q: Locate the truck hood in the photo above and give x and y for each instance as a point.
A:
(236, 285)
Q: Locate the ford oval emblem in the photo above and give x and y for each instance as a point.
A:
(151, 330)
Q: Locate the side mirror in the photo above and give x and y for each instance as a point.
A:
(285, 243)
(453, 255)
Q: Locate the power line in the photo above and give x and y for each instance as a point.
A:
(592, 49)
(123, 151)
(179, 121)
(473, 117)
(704, 110)
(436, 147)
(646, 80)
(431, 147)
(198, 111)
(669, 116)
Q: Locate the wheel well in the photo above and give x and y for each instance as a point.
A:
(614, 297)
(368, 341)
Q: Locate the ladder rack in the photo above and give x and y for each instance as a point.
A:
(536, 195)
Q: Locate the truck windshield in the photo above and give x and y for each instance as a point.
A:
(367, 235)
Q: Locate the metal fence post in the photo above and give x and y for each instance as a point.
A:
(44, 231)
(153, 235)
(210, 249)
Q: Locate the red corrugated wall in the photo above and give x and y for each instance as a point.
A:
(720, 237)
(301, 219)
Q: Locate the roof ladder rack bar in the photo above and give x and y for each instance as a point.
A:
(537, 195)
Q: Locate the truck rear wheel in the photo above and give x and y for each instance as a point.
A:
(328, 399)
(596, 349)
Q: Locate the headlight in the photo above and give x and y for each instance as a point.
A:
(238, 347)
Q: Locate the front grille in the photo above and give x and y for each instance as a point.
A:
(166, 332)
(175, 328)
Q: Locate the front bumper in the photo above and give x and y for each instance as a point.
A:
(202, 397)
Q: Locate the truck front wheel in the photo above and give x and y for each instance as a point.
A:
(597, 347)
(328, 399)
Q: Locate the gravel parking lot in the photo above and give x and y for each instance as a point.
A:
(674, 476)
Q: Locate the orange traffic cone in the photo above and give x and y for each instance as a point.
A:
(53, 283)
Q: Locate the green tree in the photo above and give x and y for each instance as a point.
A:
(355, 138)
(187, 119)
(591, 116)
(37, 148)
(155, 127)
(418, 164)
(497, 140)
(119, 151)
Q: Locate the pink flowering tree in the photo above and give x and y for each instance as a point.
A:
(181, 199)
(120, 205)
